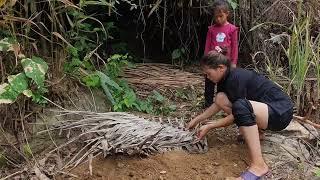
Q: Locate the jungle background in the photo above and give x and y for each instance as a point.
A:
(94, 55)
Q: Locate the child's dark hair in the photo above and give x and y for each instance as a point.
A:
(221, 6)
(213, 59)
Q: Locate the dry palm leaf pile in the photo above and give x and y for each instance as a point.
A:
(116, 132)
(145, 78)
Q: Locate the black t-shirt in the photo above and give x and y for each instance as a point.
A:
(244, 84)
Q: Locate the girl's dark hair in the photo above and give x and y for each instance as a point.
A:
(220, 5)
(213, 59)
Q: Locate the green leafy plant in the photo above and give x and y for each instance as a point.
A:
(116, 63)
(302, 55)
(120, 94)
(302, 52)
(30, 82)
(162, 105)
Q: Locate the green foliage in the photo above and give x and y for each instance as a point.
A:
(125, 98)
(5, 44)
(109, 86)
(302, 54)
(161, 104)
(120, 94)
(116, 63)
(92, 80)
(158, 97)
(87, 32)
(76, 62)
(34, 71)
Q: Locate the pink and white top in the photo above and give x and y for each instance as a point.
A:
(225, 36)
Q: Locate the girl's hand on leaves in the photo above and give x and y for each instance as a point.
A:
(203, 131)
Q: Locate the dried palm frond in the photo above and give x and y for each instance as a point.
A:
(160, 77)
(117, 132)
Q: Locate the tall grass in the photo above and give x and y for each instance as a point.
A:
(300, 55)
(303, 55)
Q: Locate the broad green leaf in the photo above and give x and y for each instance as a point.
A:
(4, 44)
(129, 98)
(92, 80)
(104, 82)
(40, 61)
(104, 79)
(35, 68)
(18, 82)
(157, 96)
(7, 94)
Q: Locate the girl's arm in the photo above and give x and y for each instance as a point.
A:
(223, 122)
(227, 121)
(234, 46)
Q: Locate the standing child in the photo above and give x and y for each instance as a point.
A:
(221, 36)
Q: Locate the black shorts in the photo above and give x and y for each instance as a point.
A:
(278, 122)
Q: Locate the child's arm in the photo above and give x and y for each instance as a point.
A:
(234, 47)
(227, 121)
(208, 42)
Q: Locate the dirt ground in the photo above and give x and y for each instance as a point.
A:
(226, 158)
